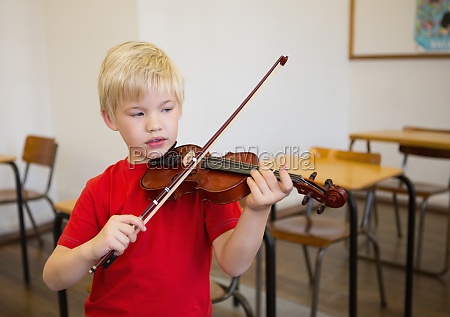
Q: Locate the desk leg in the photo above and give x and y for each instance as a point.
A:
(62, 294)
(23, 236)
(258, 286)
(270, 274)
(353, 254)
(410, 245)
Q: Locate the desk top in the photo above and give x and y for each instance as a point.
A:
(7, 158)
(436, 140)
(347, 174)
(65, 206)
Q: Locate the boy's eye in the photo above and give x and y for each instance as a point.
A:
(166, 109)
(139, 114)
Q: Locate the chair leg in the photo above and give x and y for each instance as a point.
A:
(232, 291)
(375, 212)
(241, 300)
(50, 202)
(308, 265)
(447, 249)
(62, 301)
(36, 231)
(420, 230)
(446, 266)
(62, 294)
(235, 299)
(376, 250)
(369, 206)
(397, 216)
(316, 284)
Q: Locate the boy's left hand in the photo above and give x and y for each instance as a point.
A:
(265, 189)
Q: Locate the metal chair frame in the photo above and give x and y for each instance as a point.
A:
(37, 151)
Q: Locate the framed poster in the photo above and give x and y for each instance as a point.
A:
(399, 29)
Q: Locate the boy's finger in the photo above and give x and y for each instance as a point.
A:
(285, 180)
(134, 221)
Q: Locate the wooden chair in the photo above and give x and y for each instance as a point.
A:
(424, 190)
(219, 291)
(38, 151)
(320, 231)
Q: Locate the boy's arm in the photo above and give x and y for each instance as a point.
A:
(66, 267)
(235, 249)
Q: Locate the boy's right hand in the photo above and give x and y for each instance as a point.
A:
(116, 235)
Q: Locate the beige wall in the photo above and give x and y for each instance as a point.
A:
(48, 86)
(50, 63)
(78, 36)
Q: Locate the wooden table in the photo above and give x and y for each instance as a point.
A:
(350, 176)
(435, 140)
(11, 161)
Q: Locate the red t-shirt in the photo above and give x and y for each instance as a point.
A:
(166, 271)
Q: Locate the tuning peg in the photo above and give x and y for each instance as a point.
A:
(328, 183)
(305, 200)
(321, 208)
(313, 176)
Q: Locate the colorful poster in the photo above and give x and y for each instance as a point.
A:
(432, 25)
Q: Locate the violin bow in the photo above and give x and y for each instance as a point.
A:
(157, 203)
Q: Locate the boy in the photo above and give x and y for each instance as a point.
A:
(141, 94)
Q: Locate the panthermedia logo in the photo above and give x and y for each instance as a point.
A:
(177, 157)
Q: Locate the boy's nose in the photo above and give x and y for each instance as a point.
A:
(153, 124)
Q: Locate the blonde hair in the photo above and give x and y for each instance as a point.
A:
(131, 69)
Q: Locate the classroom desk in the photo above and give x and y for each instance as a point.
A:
(435, 140)
(350, 176)
(417, 138)
(425, 139)
(11, 161)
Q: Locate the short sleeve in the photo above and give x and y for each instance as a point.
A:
(221, 218)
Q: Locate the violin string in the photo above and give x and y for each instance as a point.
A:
(246, 167)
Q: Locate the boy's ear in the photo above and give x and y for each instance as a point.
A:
(110, 123)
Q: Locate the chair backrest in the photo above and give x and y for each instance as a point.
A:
(422, 151)
(362, 157)
(41, 151)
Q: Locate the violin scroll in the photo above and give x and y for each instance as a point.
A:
(329, 195)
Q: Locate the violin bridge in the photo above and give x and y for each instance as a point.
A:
(190, 156)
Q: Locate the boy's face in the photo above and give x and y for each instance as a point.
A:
(149, 127)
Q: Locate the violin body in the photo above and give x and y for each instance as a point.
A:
(213, 185)
(223, 180)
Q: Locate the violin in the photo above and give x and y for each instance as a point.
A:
(178, 172)
(222, 179)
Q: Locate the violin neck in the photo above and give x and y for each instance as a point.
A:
(238, 167)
